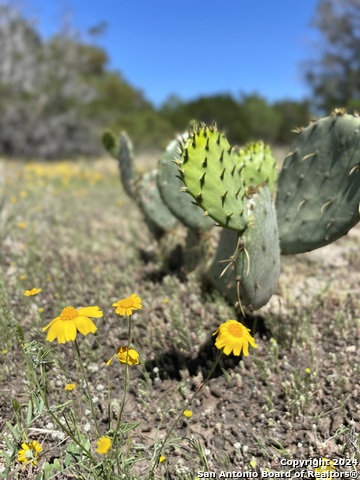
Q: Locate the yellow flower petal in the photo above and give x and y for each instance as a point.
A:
(63, 331)
(49, 324)
(70, 387)
(234, 337)
(325, 465)
(33, 291)
(93, 312)
(64, 327)
(85, 325)
(109, 361)
(126, 306)
(29, 452)
(103, 445)
(127, 355)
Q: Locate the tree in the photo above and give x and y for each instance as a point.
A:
(335, 76)
(222, 109)
(262, 120)
(57, 95)
(292, 115)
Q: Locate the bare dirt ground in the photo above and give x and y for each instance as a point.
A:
(294, 398)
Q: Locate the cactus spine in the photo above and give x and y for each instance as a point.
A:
(257, 264)
(317, 199)
(231, 186)
(170, 186)
(318, 192)
(211, 172)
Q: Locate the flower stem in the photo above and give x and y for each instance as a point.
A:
(156, 461)
(84, 374)
(43, 392)
(126, 380)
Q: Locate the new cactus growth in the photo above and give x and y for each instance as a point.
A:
(317, 200)
(179, 203)
(122, 150)
(209, 167)
(259, 165)
(318, 192)
(110, 143)
(211, 172)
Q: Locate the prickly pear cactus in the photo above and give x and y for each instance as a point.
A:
(245, 267)
(126, 163)
(122, 150)
(181, 204)
(110, 143)
(157, 215)
(259, 165)
(219, 269)
(257, 264)
(318, 191)
(211, 172)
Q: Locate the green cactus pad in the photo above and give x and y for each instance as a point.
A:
(181, 204)
(318, 192)
(246, 265)
(110, 143)
(157, 215)
(126, 164)
(211, 172)
(122, 150)
(258, 258)
(259, 165)
(223, 245)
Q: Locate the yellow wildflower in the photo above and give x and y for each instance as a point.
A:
(70, 387)
(234, 338)
(188, 413)
(325, 465)
(71, 320)
(126, 355)
(34, 291)
(103, 445)
(162, 458)
(29, 452)
(126, 306)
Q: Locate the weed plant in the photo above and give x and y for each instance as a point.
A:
(93, 387)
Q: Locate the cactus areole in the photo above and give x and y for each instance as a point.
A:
(211, 173)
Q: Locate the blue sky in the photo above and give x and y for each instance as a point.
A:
(191, 48)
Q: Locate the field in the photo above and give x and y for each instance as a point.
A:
(70, 230)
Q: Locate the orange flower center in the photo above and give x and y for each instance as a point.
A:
(235, 329)
(69, 313)
(127, 303)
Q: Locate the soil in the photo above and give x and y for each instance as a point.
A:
(295, 397)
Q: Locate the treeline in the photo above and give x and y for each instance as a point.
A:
(57, 96)
(250, 117)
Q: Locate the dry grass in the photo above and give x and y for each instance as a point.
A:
(70, 230)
